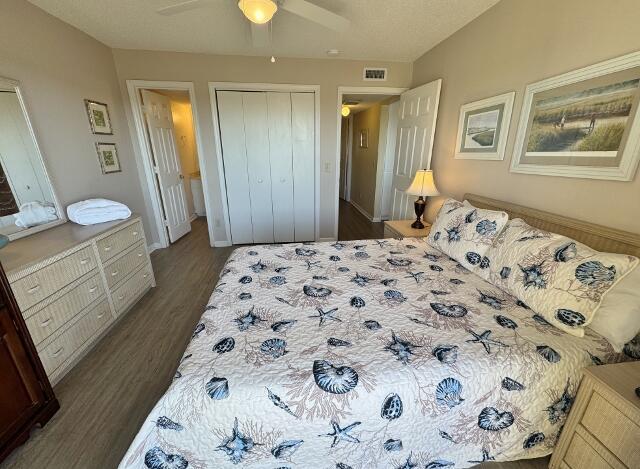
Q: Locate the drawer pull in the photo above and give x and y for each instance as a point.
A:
(135, 233)
(101, 315)
(93, 288)
(57, 352)
(84, 261)
(114, 273)
(33, 289)
(121, 297)
(107, 248)
(46, 322)
(139, 254)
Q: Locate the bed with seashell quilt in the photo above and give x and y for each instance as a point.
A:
(364, 354)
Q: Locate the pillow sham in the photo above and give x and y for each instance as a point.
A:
(465, 233)
(562, 280)
(618, 318)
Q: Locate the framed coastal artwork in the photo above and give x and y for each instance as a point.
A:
(98, 117)
(108, 156)
(483, 128)
(583, 124)
(364, 138)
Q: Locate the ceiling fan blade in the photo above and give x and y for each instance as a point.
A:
(182, 7)
(316, 14)
(260, 36)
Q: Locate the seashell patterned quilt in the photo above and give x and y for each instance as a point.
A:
(365, 354)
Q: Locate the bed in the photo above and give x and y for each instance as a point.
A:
(365, 354)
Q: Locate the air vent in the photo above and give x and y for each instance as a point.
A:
(375, 74)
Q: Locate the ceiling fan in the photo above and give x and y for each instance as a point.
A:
(260, 12)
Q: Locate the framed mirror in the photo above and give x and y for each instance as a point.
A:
(28, 203)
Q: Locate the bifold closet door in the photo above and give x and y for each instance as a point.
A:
(304, 143)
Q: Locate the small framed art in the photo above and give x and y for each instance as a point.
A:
(98, 117)
(364, 138)
(483, 128)
(108, 156)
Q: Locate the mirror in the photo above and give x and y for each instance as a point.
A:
(27, 201)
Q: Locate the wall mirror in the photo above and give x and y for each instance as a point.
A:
(28, 203)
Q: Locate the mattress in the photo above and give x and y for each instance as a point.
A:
(363, 354)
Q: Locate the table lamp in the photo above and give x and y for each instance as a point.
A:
(422, 186)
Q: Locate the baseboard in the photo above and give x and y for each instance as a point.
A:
(153, 247)
(193, 217)
(362, 211)
(326, 240)
(221, 244)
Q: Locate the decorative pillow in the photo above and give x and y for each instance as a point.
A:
(465, 233)
(562, 280)
(618, 318)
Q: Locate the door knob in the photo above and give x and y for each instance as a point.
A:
(283, 180)
(181, 176)
(259, 181)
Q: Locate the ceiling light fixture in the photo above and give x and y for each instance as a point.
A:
(345, 111)
(258, 11)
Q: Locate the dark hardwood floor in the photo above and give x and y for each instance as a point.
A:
(107, 396)
(354, 225)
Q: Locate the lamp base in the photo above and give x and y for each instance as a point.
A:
(419, 206)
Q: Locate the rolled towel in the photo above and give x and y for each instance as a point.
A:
(94, 211)
(34, 214)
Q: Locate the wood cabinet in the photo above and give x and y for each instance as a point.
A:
(26, 396)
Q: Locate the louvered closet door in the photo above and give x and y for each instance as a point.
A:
(281, 157)
(303, 134)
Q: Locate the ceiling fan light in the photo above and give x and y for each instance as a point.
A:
(258, 11)
(345, 111)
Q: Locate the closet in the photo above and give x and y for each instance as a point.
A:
(268, 150)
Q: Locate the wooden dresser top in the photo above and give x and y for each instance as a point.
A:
(25, 252)
(623, 378)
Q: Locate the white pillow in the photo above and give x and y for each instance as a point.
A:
(618, 318)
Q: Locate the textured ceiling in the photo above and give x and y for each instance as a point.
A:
(394, 30)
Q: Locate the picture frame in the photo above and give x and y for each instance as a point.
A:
(483, 128)
(363, 141)
(108, 157)
(582, 124)
(99, 120)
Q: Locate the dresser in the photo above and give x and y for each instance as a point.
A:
(402, 229)
(603, 427)
(73, 282)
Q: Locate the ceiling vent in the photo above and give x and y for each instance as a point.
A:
(374, 74)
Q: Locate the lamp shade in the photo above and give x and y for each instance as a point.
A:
(258, 11)
(423, 184)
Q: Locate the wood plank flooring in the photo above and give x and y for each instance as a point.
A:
(107, 396)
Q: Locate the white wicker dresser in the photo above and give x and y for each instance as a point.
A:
(72, 282)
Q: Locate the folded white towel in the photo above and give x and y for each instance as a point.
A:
(35, 213)
(94, 211)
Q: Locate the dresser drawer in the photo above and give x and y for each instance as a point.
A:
(122, 267)
(125, 294)
(50, 318)
(580, 455)
(73, 339)
(39, 285)
(614, 429)
(117, 242)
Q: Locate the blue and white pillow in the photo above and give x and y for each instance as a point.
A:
(465, 233)
(559, 278)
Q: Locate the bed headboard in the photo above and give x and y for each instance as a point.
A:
(598, 237)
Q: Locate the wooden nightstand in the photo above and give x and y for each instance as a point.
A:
(603, 427)
(402, 229)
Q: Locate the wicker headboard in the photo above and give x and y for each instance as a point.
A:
(598, 237)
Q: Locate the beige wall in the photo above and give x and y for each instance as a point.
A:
(201, 69)
(365, 160)
(512, 44)
(186, 143)
(58, 67)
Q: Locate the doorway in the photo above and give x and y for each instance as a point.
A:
(166, 124)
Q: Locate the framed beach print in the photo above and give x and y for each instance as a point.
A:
(98, 117)
(364, 138)
(583, 124)
(108, 156)
(483, 128)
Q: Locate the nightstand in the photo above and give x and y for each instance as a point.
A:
(603, 427)
(402, 229)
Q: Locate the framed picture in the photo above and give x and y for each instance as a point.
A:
(483, 128)
(98, 117)
(583, 123)
(364, 138)
(108, 156)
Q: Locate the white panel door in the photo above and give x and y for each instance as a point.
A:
(418, 111)
(157, 110)
(256, 130)
(234, 155)
(281, 157)
(389, 160)
(303, 133)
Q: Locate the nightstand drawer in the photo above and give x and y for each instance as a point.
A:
(580, 455)
(614, 429)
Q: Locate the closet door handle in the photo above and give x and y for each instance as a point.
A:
(283, 180)
(260, 181)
